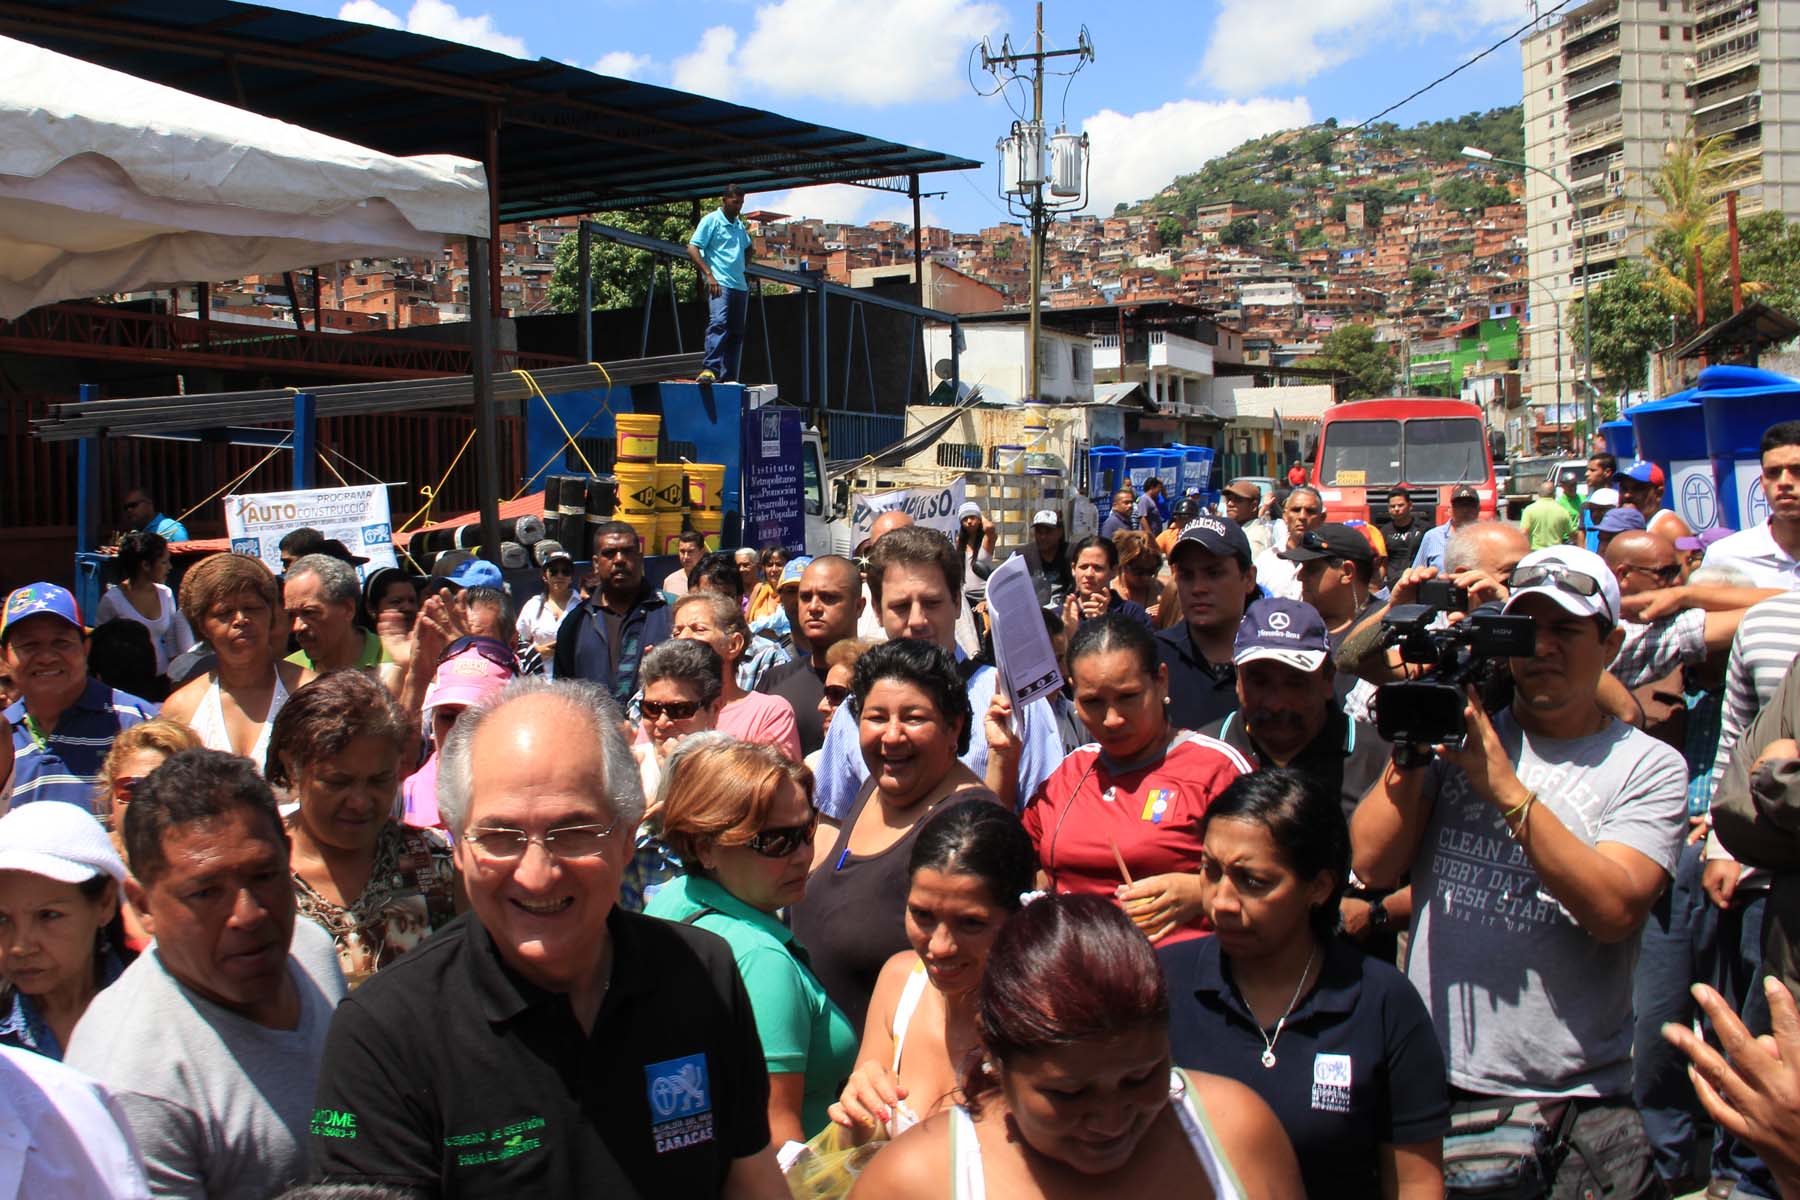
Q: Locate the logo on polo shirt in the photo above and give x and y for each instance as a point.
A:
(481, 1147)
(1331, 1083)
(680, 1102)
(1156, 804)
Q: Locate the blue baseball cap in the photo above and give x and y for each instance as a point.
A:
(795, 568)
(39, 600)
(1641, 472)
(475, 572)
(1285, 631)
(1622, 520)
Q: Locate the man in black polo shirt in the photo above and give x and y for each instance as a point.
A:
(831, 602)
(548, 1043)
(1402, 531)
(1214, 581)
(1288, 717)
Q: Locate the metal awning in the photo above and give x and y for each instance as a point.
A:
(1119, 395)
(1748, 330)
(557, 140)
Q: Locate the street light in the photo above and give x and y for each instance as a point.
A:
(1587, 329)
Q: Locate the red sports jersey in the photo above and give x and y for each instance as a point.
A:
(1152, 814)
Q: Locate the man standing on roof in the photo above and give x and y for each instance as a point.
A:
(720, 249)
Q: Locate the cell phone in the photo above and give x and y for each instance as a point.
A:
(1443, 595)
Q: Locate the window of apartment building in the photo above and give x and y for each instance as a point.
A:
(1553, 120)
(1663, 62)
(1662, 6)
(1687, 33)
(1662, 33)
(1665, 91)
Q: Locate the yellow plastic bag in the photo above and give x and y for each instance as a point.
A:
(828, 1167)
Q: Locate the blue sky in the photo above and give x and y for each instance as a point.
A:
(1172, 84)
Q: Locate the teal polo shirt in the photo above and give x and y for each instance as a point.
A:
(724, 244)
(802, 1031)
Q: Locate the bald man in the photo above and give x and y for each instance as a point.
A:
(1668, 623)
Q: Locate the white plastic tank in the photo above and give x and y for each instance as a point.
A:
(1068, 163)
(1028, 150)
(1007, 148)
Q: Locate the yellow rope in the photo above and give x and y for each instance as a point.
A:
(351, 462)
(569, 439)
(326, 463)
(273, 451)
(431, 493)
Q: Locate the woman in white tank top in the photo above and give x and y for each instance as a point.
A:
(231, 599)
(1074, 1094)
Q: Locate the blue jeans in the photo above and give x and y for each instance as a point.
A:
(728, 313)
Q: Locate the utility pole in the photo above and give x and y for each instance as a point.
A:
(1024, 152)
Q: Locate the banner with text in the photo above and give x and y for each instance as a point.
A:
(774, 492)
(356, 516)
(932, 507)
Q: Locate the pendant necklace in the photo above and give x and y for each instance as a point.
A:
(1268, 1054)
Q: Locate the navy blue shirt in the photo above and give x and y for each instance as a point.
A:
(64, 763)
(1357, 1066)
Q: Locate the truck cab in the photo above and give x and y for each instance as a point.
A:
(1369, 447)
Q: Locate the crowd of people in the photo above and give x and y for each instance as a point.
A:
(758, 883)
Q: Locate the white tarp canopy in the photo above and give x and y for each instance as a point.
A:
(110, 183)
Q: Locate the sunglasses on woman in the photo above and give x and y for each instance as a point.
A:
(125, 787)
(675, 710)
(495, 652)
(836, 694)
(779, 843)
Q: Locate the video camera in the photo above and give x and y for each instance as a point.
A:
(1418, 714)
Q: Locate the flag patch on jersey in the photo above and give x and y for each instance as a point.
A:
(1156, 804)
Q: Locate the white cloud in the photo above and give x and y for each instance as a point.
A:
(1136, 155)
(436, 18)
(1248, 52)
(623, 64)
(824, 202)
(910, 49)
(709, 69)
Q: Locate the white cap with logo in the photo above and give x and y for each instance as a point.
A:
(1576, 579)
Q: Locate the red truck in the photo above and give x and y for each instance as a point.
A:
(1369, 447)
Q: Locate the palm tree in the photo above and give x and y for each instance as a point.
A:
(1685, 221)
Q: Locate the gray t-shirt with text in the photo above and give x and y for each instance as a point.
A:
(218, 1104)
(1526, 1003)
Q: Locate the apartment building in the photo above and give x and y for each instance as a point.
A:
(1606, 86)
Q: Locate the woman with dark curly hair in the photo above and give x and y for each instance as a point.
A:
(139, 594)
(378, 887)
(913, 719)
(1072, 1091)
(234, 602)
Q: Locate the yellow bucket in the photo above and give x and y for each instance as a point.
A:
(668, 533)
(706, 485)
(670, 496)
(637, 434)
(710, 524)
(646, 526)
(637, 489)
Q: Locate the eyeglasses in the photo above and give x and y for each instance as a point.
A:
(125, 787)
(836, 694)
(779, 843)
(570, 841)
(1665, 575)
(1556, 575)
(675, 710)
(559, 569)
(494, 651)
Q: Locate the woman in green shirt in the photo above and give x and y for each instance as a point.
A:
(741, 817)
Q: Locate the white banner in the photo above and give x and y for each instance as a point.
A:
(931, 507)
(356, 516)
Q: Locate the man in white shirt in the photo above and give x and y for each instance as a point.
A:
(1304, 511)
(1770, 553)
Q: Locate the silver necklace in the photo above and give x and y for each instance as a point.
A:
(1268, 1054)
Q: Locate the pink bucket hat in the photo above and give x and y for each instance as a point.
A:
(467, 679)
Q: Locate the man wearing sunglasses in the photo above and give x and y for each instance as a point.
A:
(1303, 512)
(1537, 850)
(1667, 623)
(549, 1036)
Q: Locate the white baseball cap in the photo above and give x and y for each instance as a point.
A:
(58, 840)
(1606, 497)
(1566, 574)
(1044, 516)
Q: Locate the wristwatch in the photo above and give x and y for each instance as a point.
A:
(1378, 916)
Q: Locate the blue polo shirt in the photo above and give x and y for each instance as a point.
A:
(1357, 1065)
(723, 243)
(64, 763)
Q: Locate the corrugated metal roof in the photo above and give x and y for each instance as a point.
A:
(569, 141)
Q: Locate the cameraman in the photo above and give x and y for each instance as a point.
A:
(1537, 851)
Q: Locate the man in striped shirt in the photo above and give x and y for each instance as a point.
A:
(64, 723)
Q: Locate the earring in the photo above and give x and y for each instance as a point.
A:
(987, 1067)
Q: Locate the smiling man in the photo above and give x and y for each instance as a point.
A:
(211, 1040)
(321, 594)
(63, 723)
(548, 1042)
(1536, 854)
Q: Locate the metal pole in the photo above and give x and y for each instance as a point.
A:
(918, 243)
(493, 182)
(1037, 207)
(306, 441)
(584, 247)
(823, 395)
(487, 459)
(87, 469)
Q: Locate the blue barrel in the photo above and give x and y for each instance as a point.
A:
(1200, 459)
(1672, 434)
(1106, 467)
(1740, 404)
(1141, 465)
(1621, 442)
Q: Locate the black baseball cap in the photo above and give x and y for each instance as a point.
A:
(1215, 535)
(1464, 492)
(1331, 540)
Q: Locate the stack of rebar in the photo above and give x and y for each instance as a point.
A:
(171, 414)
